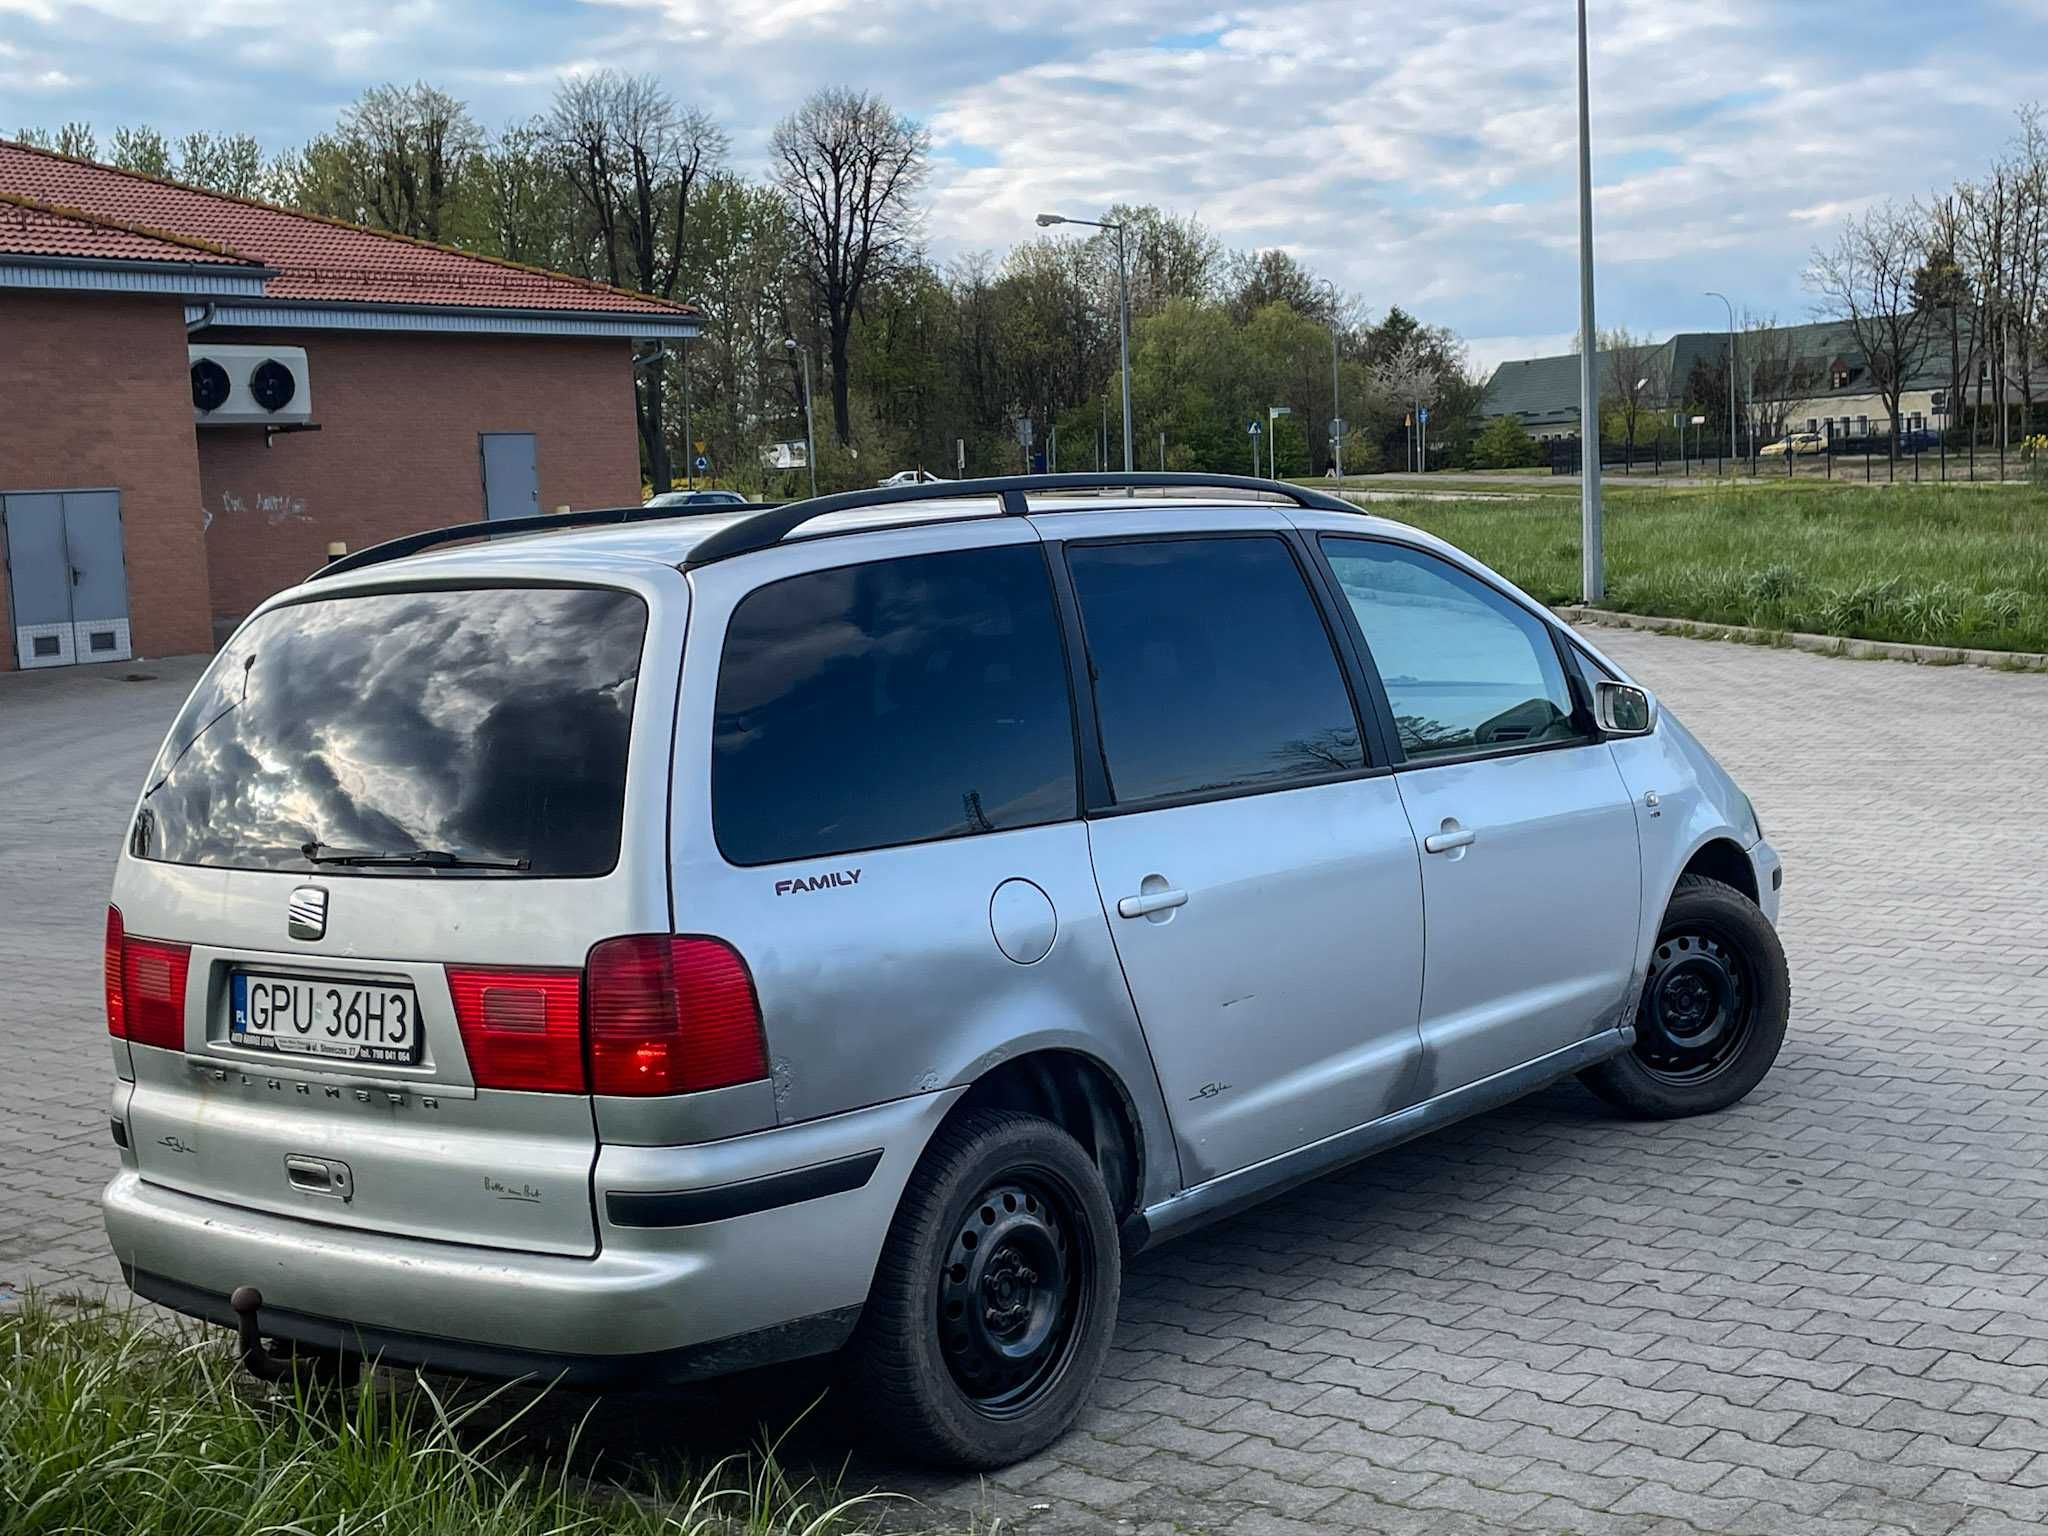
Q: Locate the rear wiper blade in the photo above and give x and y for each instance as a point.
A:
(428, 858)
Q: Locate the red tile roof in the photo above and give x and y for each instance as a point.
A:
(31, 228)
(316, 259)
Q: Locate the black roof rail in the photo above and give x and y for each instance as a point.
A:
(545, 522)
(770, 526)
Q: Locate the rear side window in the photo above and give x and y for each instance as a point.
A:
(485, 730)
(1465, 669)
(899, 701)
(1213, 669)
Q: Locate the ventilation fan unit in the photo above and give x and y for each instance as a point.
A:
(250, 386)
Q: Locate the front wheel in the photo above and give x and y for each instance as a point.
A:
(1713, 1011)
(995, 1298)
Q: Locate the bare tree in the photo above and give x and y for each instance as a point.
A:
(633, 158)
(1942, 288)
(1638, 377)
(2028, 282)
(1866, 278)
(412, 144)
(849, 166)
(1409, 375)
(1775, 376)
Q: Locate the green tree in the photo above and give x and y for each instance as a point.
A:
(1504, 443)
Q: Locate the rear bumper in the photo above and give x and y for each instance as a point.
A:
(729, 1254)
(793, 1340)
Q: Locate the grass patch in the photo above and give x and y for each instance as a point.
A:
(109, 1426)
(1950, 566)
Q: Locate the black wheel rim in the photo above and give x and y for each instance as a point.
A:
(1014, 1289)
(1699, 1006)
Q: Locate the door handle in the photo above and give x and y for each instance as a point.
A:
(1445, 842)
(1145, 906)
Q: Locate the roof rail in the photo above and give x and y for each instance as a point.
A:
(769, 527)
(545, 522)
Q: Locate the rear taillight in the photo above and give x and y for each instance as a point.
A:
(672, 1014)
(117, 1022)
(145, 987)
(521, 1028)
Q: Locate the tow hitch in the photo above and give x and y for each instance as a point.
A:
(292, 1362)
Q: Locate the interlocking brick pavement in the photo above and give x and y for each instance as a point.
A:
(1824, 1311)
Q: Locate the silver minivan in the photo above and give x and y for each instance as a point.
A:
(634, 953)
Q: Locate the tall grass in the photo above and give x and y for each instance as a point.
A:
(1932, 565)
(111, 1428)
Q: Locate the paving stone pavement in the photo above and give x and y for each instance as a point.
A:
(1824, 1311)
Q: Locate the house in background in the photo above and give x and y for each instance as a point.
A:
(1804, 378)
(202, 393)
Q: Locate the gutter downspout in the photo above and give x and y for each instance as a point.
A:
(206, 314)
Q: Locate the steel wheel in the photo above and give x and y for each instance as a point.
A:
(1699, 1007)
(1013, 1293)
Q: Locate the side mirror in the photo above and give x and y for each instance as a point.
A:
(1622, 709)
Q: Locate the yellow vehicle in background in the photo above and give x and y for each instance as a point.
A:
(1799, 444)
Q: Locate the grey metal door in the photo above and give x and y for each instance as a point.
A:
(39, 580)
(99, 575)
(511, 475)
(67, 576)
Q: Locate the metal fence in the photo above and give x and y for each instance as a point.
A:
(1923, 455)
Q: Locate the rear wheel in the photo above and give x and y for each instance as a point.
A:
(996, 1295)
(1713, 1010)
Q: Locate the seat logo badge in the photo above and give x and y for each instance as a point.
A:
(833, 881)
(306, 913)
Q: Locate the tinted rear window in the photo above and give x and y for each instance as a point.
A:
(487, 724)
(1213, 671)
(894, 702)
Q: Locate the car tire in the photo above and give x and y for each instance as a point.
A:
(1713, 1011)
(1008, 1212)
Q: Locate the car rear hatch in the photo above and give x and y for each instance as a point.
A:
(347, 943)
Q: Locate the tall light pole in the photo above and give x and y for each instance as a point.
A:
(1336, 399)
(690, 449)
(810, 445)
(1731, 369)
(1123, 311)
(1592, 566)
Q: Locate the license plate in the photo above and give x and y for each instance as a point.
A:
(304, 1017)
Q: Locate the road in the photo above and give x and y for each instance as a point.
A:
(1825, 1311)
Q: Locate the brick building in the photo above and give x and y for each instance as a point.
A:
(201, 393)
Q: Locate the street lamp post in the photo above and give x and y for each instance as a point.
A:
(1731, 369)
(810, 445)
(1336, 398)
(1273, 414)
(1592, 565)
(1123, 311)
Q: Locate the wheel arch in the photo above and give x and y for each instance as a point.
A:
(1084, 1097)
(1722, 859)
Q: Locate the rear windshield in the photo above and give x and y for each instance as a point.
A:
(474, 732)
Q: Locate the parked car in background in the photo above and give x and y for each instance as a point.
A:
(1919, 440)
(910, 477)
(1799, 444)
(697, 499)
(638, 952)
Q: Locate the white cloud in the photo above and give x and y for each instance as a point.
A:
(1423, 155)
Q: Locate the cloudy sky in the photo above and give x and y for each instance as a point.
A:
(1420, 153)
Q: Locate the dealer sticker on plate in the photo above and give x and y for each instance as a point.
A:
(303, 1016)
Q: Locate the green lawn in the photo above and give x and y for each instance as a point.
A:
(108, 1428)
(1933, 565)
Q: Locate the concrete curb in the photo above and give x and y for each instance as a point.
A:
(1822, 645)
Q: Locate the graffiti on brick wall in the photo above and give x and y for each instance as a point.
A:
(274, 507)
